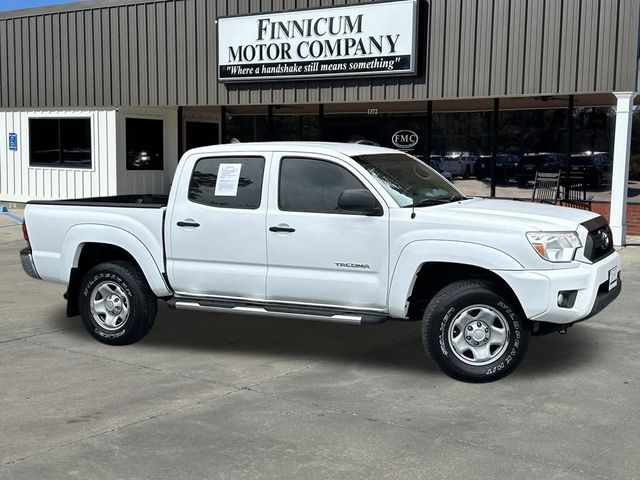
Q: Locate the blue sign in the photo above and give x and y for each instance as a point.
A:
(13, 142)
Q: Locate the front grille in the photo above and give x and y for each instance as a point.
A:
(599, 241)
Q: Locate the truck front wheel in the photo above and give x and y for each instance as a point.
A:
(116, 304)
(473, 333)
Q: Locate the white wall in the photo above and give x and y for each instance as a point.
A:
(108, 174)
(20, 183)
(148, 181)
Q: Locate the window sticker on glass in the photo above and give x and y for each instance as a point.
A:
(228, 178)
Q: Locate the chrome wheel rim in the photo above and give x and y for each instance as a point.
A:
(478, 335)
(109, 305)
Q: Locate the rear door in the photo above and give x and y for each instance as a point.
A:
(217, 244)
(318, 254)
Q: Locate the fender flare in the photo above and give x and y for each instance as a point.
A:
(80, 235)
(416, 254)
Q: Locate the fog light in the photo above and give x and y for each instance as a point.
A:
(567, 298)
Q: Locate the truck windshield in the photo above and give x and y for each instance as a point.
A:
(409, 181)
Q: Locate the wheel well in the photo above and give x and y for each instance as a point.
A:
(92, 254)
(434, 276)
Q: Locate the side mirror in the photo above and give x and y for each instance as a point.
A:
(359, 201)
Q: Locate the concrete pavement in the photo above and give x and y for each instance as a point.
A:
(214, 396)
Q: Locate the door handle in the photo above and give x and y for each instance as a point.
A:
(188, 224)
(282, 229)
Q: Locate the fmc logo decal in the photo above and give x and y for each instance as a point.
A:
(405, 139)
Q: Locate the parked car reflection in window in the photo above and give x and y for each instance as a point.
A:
(595, 167)
(530, 163)
(505, 164)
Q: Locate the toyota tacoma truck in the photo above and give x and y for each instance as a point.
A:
(345, 233)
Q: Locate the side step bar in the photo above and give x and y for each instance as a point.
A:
(281, 311)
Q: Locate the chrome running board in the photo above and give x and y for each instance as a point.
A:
(280, 311)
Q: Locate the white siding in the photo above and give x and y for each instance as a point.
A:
(148, 181)
(108, 174)
(20, 183)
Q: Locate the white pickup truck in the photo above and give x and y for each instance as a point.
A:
(337, 232)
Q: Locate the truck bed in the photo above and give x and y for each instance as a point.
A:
(59, 229)
(130, 201)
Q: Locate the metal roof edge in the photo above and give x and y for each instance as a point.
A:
(71, 7)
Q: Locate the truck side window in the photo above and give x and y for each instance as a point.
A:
(237, 191)
(313, 185)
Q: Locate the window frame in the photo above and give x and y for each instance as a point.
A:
(61, 164)
(228, 157)
(307, 157)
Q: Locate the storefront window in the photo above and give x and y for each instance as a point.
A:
(539, 140)
(532, 131)
(461, 146)
(592, 152)
(144, 143)
(247, 124)
(529, 141)
(60, 142)
(296, 128)
(400, 131)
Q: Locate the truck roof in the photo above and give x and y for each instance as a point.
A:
(349, 149)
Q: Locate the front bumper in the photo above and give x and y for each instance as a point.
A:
(604, 297)
(538, 290)
(26, 258)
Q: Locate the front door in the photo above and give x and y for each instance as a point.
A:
(216, 244)
(317, 253)
(200, 134)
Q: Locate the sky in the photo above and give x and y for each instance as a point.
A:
(18, 4)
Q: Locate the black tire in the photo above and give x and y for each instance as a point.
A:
(128, 284)
(448, 312)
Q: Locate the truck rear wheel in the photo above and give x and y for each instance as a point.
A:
(473, 333)
(116, 304)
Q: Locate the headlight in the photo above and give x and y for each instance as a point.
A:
(555, 246)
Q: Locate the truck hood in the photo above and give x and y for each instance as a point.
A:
(513, 214)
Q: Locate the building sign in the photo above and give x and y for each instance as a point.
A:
(357, 40)
(13, 142)
(405, 139)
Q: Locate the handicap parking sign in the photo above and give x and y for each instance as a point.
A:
(13, 141)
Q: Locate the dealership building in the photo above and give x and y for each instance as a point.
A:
(101, 98)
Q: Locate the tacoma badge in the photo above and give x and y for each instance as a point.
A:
(353, 265)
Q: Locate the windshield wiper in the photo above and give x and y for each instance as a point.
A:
(428, 201)
(458, 198)
(436, 201)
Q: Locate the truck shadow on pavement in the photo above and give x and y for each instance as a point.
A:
(395, 345)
